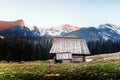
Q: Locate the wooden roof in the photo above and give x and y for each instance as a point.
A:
(69, 45)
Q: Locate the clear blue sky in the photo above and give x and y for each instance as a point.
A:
(57, 12)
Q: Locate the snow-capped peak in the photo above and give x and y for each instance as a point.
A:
(112, 27)
(109, 25)
(59, 30)
(73, 28)
(67, 26)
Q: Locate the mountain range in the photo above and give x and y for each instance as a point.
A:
(18, 29)
(103, 32)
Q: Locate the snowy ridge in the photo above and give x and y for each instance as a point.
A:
(113, 27)
(58, 30)
(104, 31)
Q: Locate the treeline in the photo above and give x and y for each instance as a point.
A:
(25, 49)
(37, 48)
(103, 46)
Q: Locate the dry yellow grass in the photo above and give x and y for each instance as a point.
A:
(111, 56)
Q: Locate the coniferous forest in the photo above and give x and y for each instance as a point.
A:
(103, 46)
(37, 48)
(25, 49)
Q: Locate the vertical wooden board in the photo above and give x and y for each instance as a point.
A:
(77, 58)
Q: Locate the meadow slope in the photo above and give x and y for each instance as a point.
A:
(103, 67)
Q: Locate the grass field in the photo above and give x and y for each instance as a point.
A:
(103, 67)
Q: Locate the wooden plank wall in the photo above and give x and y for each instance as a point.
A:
(61, 56)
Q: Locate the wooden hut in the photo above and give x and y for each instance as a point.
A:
(69, 49)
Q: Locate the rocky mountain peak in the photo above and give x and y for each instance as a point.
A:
(9, 24)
